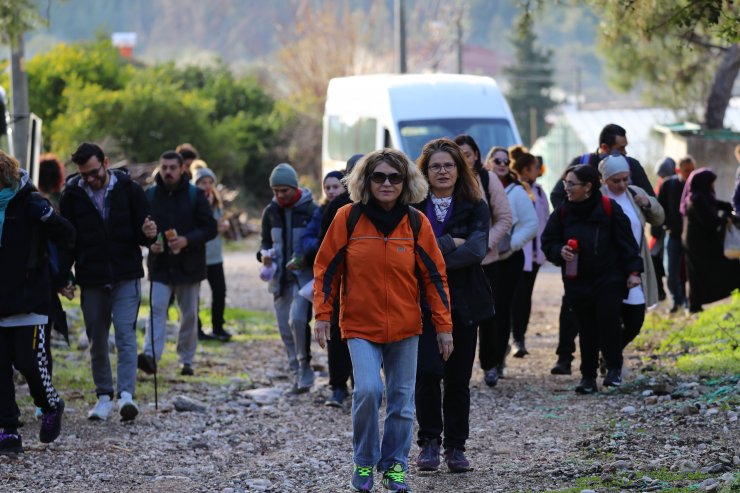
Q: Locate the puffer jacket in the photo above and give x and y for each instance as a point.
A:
(282, 230)
(380, 289)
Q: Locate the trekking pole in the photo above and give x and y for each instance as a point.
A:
(154, 352)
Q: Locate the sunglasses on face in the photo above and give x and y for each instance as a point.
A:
(501, 162)
(380, 178)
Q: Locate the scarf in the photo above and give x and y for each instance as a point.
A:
(385, 221)
(291, 202)
(583, 209)
(442, 206)
(6, 195)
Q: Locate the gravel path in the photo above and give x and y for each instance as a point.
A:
(530, 433)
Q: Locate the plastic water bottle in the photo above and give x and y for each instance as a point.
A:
(571, 267)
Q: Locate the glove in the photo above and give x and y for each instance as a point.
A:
(40, 209)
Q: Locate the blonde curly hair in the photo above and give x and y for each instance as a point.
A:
(9, 170)
(415, 186)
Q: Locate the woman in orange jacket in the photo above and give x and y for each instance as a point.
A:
(373, 250)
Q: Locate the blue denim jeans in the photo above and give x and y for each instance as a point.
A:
(398, 361)
(676, 285)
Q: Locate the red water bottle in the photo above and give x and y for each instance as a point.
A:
(571, 267)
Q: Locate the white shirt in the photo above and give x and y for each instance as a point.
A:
(636, 295)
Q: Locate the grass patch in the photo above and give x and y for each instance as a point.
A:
(669, 482)
(710, 344)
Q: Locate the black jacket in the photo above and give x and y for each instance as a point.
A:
(607, 250)
(637, 176)
(670, 198)
(470, 291)
(24, 260)
(175, 210)
(331, 210)
(107, 251)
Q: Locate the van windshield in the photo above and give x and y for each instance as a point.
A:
(487, 132)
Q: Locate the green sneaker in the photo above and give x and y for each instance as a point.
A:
(362, 479)
(394, 479)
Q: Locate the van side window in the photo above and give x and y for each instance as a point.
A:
(350, 135)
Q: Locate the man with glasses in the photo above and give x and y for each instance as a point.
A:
(283, 222)
(612, 140)
(110, 213)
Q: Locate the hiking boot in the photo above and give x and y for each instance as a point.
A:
(456, 461)
(187, 371)
(500, 370)
(102, 409)
(51, 423)
(127, 408)
(305, 378)
(146, 363)
(613, 377)
(587, 386)
(202, 336)
(221, 335)
(491, 377)
(562, 367)
(394, 479)
(337, 397)
(428, 459)
(519, 350)
(362, 479)
(10, 442)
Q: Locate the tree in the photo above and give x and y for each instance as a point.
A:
(530, 81)
(686, 51)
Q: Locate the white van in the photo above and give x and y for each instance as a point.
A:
(369, 112)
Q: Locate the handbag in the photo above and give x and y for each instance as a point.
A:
(732, 240)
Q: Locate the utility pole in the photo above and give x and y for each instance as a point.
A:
(20, 115)
(400, 29)
(459, 41)
(578, 88)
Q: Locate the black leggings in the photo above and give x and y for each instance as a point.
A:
(24, 348)
(522, 303)
(217, 282)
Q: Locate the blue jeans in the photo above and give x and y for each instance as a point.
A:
(676, 285)
(398, 360)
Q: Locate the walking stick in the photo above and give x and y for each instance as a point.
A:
(154, 352)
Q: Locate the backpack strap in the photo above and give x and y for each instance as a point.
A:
(355, 212)
(415, 221)
(607, 205)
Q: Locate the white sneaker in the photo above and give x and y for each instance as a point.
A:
(127, 407)
(102, 409)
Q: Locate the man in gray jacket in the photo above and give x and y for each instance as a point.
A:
(283, 223)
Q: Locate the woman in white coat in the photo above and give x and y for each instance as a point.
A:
(640, 208)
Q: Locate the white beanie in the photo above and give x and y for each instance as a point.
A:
(201, 173)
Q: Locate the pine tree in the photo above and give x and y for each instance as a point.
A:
(530, 80)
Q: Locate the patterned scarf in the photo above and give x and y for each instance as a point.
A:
(441, 207)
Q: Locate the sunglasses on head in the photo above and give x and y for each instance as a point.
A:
(501, 162)
(393, 178)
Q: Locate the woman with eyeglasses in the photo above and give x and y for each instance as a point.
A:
(460, 220)
(639, 208)
(590, 238)
(374, 249)
(508, 268)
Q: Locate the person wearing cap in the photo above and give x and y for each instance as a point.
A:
(590, 238)
(664, 168)
(205, 179)
(284, 221)
(639, 208)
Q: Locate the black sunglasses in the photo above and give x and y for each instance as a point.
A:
(393, 178)
(92, 174)
(498, 161)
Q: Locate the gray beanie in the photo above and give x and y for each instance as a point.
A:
(201, 173)
(611, 165)
(665, 167)
(284, 176)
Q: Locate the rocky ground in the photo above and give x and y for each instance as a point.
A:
(530, 433)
